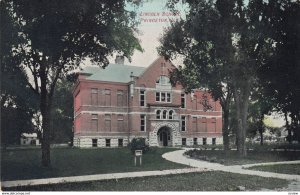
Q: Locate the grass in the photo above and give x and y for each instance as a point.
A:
(293, 169)
(26, 163)
(253, 146)
(205, 181)
(253, 156)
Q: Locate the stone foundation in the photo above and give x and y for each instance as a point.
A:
(152, 140)
(87, 141)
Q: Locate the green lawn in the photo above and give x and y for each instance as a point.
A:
(293, 169)
(25, 163)
(254, 156)
(206, 181)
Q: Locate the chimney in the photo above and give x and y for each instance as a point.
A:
(119, 59)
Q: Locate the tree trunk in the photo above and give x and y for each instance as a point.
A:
(45, 107)
(289, 137)
(261, 129)
(241, 97)
(261, 137)
(225, 128)
(46, 139)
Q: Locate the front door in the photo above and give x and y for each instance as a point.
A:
(165, 138)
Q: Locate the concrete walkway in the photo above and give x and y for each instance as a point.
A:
(98, 177)
(178, 157)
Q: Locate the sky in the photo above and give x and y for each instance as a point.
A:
(154, 17)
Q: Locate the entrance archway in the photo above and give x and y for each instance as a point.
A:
(164, 136)
(173, 126)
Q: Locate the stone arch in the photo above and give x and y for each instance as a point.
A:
(174, 130)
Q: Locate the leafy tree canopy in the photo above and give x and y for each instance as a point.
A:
(57, 35)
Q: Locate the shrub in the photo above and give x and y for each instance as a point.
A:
(138, 144)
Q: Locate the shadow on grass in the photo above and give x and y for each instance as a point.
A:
(25, 163)
(253, 156)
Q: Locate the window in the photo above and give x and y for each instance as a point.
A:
(107, 122)
(142, 98)
(94, 142)
(94, 97)
(164, 116)
(120, 123)
(163, 67)
(213, 141)
(107, 97)
(194, 123)
(168, 97)
(194, 103)
(163, 97)
(182, 100)
(143, 122)
(120, 142)
(171, 114)
(214, 124)
(183, 128)
(120, 98)
(204, 141)
(157, 96)
(158, 114)
(184, 141)
(195, 141)
(107, 142)
(94, 122)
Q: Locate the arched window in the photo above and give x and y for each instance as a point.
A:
(163, 80)
(158, 114)
(171, 112)
(164, 114)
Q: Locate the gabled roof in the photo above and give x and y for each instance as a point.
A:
(29, 135)
(113, 73)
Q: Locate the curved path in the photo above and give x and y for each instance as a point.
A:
(178, 157)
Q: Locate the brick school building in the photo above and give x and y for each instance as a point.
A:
(115, 104)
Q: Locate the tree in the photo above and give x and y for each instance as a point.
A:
(60, 34)
(202, 68)
(18, 102)
(233, 36)
(280, 75)
(259, 106)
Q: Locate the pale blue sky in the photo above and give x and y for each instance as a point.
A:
(150, 32)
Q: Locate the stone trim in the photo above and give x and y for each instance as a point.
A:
(175, 134)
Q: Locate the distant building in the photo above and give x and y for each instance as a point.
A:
(29, 139)
(115, 104)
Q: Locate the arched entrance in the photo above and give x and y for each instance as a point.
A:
(172, 126)
(164, 136)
